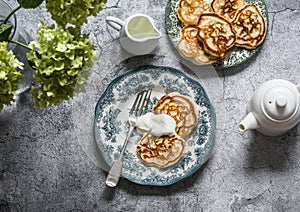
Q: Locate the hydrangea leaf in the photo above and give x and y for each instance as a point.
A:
(5, 30)
(30, 3)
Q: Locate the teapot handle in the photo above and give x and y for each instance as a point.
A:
(114, 22)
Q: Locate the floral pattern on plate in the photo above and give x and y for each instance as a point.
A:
(235, 56)
(111, 125)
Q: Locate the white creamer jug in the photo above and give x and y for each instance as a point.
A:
(138, 34)
(274, 108)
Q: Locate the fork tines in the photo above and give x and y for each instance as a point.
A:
(141, 102)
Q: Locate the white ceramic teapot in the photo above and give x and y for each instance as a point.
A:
(274, 108)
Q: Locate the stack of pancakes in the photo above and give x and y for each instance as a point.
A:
(165, 151)
(212, 27)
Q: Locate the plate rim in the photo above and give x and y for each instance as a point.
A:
(212, 137)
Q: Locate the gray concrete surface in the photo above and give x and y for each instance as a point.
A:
(44, 168)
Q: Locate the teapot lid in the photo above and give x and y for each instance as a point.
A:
(280, 103)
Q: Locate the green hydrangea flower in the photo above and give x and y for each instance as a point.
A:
(73, 11)
(62, 60)
(9, 76)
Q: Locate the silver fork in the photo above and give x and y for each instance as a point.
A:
(139, 107)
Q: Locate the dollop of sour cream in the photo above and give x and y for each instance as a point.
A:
(157, 125)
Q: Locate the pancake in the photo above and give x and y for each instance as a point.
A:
(189, 11)
(249, 26)
(216, 34)
(191, 48)
(160, 152)
(227, 8)
(181, 108)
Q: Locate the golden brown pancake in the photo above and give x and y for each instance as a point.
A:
(160, 152)
(181, 108)
(227, 8)
(189, 11)
(249, 26)
(216, 34)
(191, 48)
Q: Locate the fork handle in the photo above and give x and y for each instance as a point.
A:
(113, 176)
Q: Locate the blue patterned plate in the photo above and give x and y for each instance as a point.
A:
(235, 56)
(111, 126)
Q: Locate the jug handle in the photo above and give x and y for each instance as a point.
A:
(114, 22)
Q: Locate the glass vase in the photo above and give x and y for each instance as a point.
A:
(19, 34)
(5, 10)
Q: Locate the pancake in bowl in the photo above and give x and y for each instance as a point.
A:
(191, 48)
(181, 108)
(161, 152)
(216, 34)
(249, 26)
(189, 11)
(227, 8)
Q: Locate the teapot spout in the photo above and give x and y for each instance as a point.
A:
(250, 122)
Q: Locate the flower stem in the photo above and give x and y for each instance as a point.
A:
(20, 44)
(12, 12)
